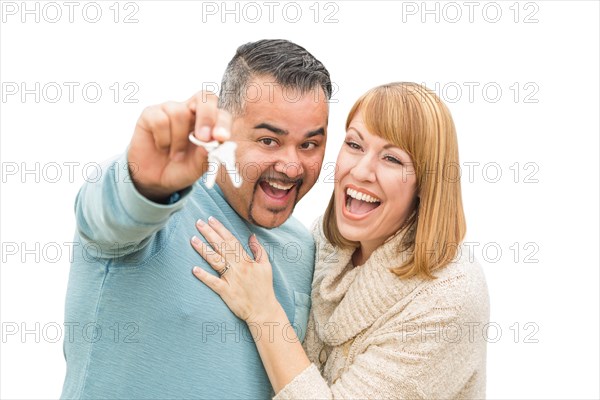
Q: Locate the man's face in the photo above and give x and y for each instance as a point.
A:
(281, 140)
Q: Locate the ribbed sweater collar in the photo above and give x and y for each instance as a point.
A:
(347, 299)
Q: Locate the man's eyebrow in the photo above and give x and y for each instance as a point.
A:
(320, 131)
(283, 132)
(272, 128)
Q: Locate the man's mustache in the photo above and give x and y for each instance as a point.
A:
(279, 177)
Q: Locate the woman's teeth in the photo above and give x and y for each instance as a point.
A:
(355, 194)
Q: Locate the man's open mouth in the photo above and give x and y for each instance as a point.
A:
(276, 189)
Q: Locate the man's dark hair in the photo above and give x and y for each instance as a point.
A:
(290, 65)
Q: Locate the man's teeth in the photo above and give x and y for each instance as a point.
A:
(355, 194)
(280, 186)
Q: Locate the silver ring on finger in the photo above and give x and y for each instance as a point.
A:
(224, 270)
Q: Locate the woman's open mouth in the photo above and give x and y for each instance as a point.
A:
(359, 204)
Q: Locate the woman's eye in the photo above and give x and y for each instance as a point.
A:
(392, 159)
(353, 145)
(268, 141)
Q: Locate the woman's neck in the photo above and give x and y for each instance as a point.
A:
(363, 252)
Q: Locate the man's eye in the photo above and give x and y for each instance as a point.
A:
(268, 141)
(353, 145)
(308, 145)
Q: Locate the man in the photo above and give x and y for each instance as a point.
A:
(142, 325)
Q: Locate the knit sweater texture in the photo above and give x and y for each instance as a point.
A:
(373, 335)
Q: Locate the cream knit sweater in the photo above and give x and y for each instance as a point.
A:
(372, 335)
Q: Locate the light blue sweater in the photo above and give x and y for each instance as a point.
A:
(139, 325)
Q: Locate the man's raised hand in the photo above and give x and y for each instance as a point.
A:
(162, 159)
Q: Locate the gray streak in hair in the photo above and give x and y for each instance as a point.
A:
(290, 65)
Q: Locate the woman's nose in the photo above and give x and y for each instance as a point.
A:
(364, 169)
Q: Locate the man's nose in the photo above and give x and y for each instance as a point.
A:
(289, 163)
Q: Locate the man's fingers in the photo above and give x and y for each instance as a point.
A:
(222, 129)
(181, 122)
(157, 123)
(205, 106)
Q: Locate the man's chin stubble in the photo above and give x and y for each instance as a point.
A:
(273, 211)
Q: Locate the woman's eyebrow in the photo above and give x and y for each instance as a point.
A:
(358, 133)
(387, 146)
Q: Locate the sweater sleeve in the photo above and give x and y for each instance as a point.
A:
(113, 216)
(422, 353)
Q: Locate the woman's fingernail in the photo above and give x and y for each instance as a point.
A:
(197, 270)
(212, 220)
(195, 240)
(200, 223)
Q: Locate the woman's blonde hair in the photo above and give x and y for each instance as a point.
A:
(413, 118)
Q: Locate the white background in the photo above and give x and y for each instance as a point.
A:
(550, 209)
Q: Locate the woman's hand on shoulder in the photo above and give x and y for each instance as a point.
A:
(245, 283)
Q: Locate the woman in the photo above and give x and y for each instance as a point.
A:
(398, 306)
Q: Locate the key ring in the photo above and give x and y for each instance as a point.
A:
(219, 153)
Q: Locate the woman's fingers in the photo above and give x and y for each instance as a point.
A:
(222, 231)
(258, 250)
(216, 284)
(212, 257)
(248, 283)
(211, 236)
(221, 239)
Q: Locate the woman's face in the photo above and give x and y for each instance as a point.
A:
(375, 186)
